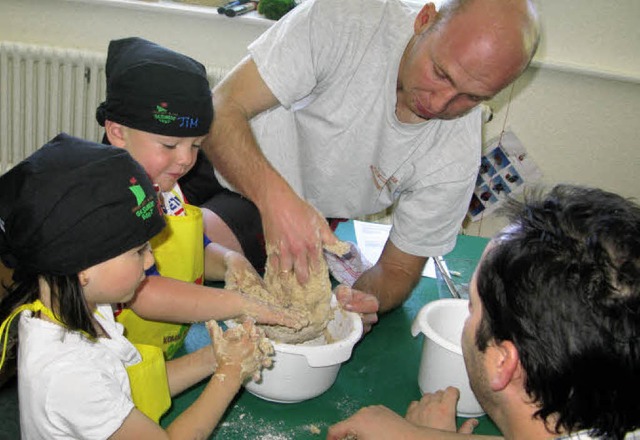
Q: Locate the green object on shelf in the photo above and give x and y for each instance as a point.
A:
(275, 9)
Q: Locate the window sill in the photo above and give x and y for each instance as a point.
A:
(176, 7)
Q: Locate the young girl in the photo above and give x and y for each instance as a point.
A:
(75, 220)
(158, 107)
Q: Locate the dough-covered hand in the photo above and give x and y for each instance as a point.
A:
(242, 277)
(295, 233)
(244, 347)
(240, 274)
(265, 313)
(438, 410)
(371, 423)
(360, 302)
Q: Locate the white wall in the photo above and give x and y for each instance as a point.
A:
(577, 127)
(602, 34)
(213, 39)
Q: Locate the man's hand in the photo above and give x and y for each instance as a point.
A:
(295, 233)
(372, 422)
(438, 410)
(360, 302)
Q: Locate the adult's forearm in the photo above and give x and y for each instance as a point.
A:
(392, 286)
(231, 145)
(233, 150)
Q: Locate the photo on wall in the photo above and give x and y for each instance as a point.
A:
(505, 167)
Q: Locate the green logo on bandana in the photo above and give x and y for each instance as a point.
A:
(145, 207)
(138, 192)
(162, 115)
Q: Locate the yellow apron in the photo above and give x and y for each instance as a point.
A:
(149, 383)
(148, 378)
(179, 254)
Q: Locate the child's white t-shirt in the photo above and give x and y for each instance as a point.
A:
(69, 386)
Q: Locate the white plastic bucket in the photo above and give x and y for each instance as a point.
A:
(442, 364)
(303, 371)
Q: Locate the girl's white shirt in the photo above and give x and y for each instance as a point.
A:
(70, 386)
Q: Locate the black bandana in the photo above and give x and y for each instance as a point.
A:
(73, 204)
(154, 89)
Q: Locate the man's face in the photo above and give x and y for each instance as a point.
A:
(448, 70)
(474, 359)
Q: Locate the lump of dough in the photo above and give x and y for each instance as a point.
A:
(283, 289)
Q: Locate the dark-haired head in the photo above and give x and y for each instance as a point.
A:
(70, 206)
(66, 293)
(563, 284)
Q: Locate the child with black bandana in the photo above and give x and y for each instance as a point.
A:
(159, 108)
(75, 220)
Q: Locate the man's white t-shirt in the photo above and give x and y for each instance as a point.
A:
(333, 65)
(70, 387)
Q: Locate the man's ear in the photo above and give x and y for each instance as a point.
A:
(424, 18)
(503, 365)
(115, 133)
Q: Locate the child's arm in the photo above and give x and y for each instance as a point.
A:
(184, 371)
(165, 299)
(215, 265)
(239, 353)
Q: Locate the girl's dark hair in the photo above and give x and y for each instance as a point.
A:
(67, 297)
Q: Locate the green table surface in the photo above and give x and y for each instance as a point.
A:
(383, 370)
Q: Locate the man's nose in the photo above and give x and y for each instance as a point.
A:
(441, 98)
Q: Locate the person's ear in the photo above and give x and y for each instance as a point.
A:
(83, 277)
(424, 18)
(503, 365)
(115, 133)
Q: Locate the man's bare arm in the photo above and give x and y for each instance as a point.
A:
(231, 145)
(392, 278)
(293, 228)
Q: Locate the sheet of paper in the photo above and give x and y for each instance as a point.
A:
(371, 238)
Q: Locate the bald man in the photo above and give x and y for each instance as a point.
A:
(345, 108)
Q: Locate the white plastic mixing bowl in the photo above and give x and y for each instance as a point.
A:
(303, 371)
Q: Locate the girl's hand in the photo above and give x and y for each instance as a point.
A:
(243, 348)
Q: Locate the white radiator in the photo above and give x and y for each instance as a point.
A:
(46, 90)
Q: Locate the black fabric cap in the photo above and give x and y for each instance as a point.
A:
(157, 90)
(73, 204)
